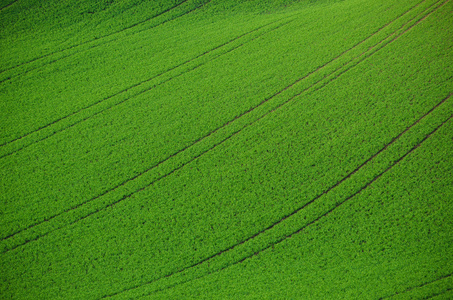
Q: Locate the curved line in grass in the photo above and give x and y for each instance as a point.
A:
(417, 286)
(295, 82)
(62, 118)
(179, 151)
(96, 40)
(325, 192)
(311, 201)
(397, 36)
(438, 294)
(303, 227)
(134, 86)
(8, 5)
(84, 43)
(162, 161)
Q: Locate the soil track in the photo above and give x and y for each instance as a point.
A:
(159, 163)
(419, 286)
(212, 132)
(300, 229)
(328, 190)
(131, 87)
(96, 40)
(137, 84)
(8, 5)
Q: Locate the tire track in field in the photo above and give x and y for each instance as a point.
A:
(325, 82)
(91, 47)
(136, 176)
(97, 40)
(195, 142)
(438, 294)
(351, 63)
(298, 80)
(285, 237)
(418, 286)
(8, 5)
(90, 41)
(314, 199)
(134, 86)
(303, 206)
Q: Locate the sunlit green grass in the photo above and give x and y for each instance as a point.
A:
(226, 149)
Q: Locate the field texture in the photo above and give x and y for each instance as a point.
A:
(226, 149)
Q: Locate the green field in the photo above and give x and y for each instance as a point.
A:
(226, 149)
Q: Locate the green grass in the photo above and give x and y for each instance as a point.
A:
(226, 149)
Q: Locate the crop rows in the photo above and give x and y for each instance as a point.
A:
(268, 158)
(418, 286)
(281, 239)
(98, 111)
(8, 5)
(128, 195)
(213, 269)
(98, 41)
(149, 79)
(337, 205)
(235, 132)
(41, 126)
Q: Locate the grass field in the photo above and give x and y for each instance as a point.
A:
(216, 149)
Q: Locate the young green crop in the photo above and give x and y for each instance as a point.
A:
(161, 133)
(239, 150)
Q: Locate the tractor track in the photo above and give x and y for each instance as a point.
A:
(418, 286)
(202, 138)
(131, 87)
(8, 5)
(438, 294)
(137, 84)
(305, 226)
(160, 162)
(326, 191)
(97, 40)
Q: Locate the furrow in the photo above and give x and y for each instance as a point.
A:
(438, 294)
(147, 170)
(295, 82)
(127, 89)
(362, 57)
(308, 224)
(306, 204)
(8, 5)
(317, 197)
(182, 150)
(417, 286)
(323, 66)
(96, 40)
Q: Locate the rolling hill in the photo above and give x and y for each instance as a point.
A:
(214, 149)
